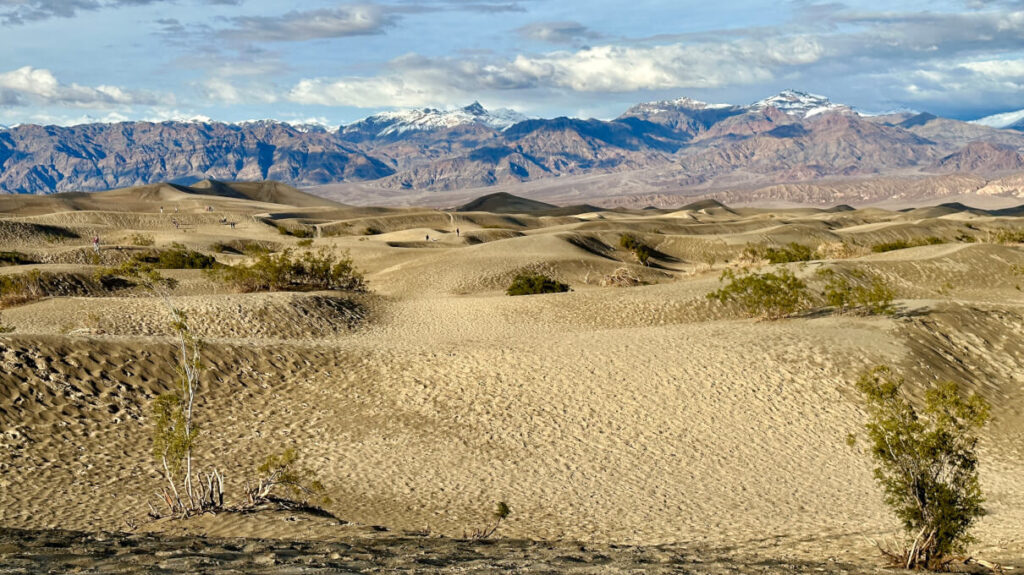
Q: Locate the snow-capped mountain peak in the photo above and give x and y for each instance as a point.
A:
(800, 104)
(684, 103)
(1000, 121)
(428, 119)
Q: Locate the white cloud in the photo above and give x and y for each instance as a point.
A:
(417, 81)
(38, 86)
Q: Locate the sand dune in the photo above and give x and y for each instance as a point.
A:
(645, 415)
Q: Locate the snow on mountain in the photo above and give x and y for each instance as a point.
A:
(427, 119)
(1000, 121)
(305, 126)
(678, 103)
(800, 104)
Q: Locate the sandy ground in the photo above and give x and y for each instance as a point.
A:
(635, 416)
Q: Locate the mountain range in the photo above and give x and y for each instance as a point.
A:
(693, 147)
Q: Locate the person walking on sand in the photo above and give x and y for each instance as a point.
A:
(161, 209)
(96, 244)
(458, 234)
(428, 237)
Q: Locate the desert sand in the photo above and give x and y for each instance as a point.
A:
(643, 416)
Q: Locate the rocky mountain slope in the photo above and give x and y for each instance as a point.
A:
(788, 138)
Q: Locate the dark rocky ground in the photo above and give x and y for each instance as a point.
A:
(56, 551)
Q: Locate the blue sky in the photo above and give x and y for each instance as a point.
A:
(70, 61)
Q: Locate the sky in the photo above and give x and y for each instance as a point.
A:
(77, 61)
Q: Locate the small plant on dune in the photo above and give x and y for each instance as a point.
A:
(927, 465)
(177, 257)
(298, 232)
(859, 290)
(372, 231)
(500, 513)
(14, 259)
(640, 250)
(5, 328)
(142, 240)
(904, 244)
(17, 289)
(1008, 236)
(304, 243)
(535, 283)
(791, 252)
(622, 277)
(175, 433)
(772, 295)
(131, 273)
(319, 270)
(282, 471)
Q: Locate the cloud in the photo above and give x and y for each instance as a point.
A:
(18, 12)
(37, 86)
(416, 81)
(295, 26)
(557, 32)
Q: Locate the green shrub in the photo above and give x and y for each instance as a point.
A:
(772, 295)
(304, 243)
(791, 252)
(372, 231)
(867, 292)
(642, 251)
(904, 244)
(283, 471)
(926, 463)
(500, 513)
(535, 283)
(178, 257)
(320, 270)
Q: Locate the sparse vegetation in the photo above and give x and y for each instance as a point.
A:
(927, 465)
(1008, 236)
(857, 290)
(791, 252)
(298, 232)
(132, 272)
(175, 434)
(319, 270)
(141, 240)
(250, 248)
(640, 250)
(4, 328)
(304, 243)
(904, 244)
(772, 295)
(283, 471)
(535, 283)
(14, 259)
(177, 257)
(501, 512)
(17, 289)
(622, 277)
(372, 231)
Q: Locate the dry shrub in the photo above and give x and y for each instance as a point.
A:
(622, 277)
(839, 251)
